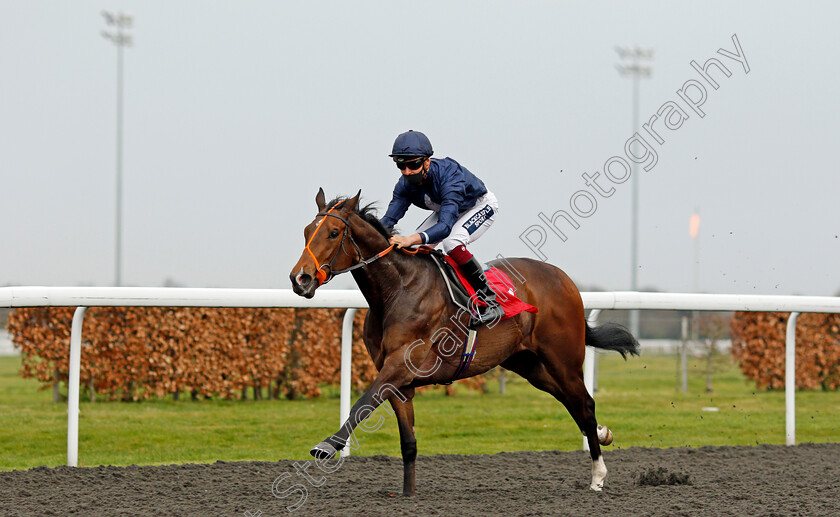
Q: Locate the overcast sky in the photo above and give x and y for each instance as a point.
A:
(236, 113)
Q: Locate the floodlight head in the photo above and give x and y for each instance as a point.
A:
(123, 20)
(646, 53)
(636, 52)
(634, 69)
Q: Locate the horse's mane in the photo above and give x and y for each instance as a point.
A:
(367, 212)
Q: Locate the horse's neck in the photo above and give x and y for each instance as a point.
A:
(385, 281)
(389, 279)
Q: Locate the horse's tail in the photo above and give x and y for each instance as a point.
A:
(612, 336)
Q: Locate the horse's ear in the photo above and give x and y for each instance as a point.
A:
(351, 203)
(320, 201)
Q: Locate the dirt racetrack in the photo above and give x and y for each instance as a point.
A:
(763, 480)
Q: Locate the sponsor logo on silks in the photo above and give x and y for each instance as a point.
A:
(478, 219)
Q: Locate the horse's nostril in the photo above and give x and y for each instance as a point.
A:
(303, 279)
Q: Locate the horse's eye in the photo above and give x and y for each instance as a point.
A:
(333, 234)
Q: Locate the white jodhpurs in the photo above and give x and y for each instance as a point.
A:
(471, 224)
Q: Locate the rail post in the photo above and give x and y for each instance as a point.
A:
(589, 364)
(73, 387)
(790, 380)
(346, 370)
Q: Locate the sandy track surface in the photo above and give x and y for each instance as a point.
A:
(762, 480)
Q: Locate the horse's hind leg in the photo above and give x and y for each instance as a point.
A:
(580, 405)
(573, 395)
(404, 410)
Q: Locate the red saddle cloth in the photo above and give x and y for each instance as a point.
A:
(501, 284)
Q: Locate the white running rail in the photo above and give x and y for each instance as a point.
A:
(83, 297)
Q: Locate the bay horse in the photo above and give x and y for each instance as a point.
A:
(413, 330)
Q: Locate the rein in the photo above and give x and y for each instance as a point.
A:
(324, 277)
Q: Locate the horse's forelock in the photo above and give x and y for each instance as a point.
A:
(334, 202)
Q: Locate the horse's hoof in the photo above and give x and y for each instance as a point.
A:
(597, 488)
(323, 451)
(605, 436)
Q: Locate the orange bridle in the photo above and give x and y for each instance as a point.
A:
(321, 275)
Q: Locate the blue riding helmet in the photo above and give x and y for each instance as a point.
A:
(412, 143)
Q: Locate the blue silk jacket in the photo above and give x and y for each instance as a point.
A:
(449, 189)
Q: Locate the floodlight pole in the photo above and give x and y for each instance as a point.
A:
(120, 39)
(635, 71)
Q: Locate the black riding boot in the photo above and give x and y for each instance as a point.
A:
(478, 280)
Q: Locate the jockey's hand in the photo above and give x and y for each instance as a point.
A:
(401, 241)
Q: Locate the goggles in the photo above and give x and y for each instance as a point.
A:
(410, 163)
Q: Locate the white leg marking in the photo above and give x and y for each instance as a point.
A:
(599, 473)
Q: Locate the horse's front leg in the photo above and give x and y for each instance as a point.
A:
(393, 375)
(404, 410)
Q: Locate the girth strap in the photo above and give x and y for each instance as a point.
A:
(466, 357)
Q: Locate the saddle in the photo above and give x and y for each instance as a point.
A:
(460, 291)
(454, 284)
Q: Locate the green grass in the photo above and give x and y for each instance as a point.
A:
(636, 399)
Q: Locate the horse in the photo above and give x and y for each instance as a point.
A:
(412, 328)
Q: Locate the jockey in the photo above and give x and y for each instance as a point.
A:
(462, 210)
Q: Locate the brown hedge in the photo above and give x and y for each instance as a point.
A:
(758, 343)
(138, 353)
